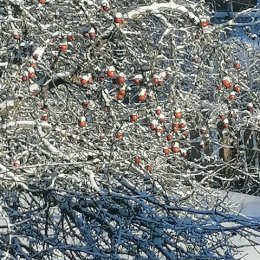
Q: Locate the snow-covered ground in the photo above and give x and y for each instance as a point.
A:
(250, 207)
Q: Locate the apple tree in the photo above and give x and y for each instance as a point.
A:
(118, 119)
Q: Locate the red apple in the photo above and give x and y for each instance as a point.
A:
(138, 160)
(45, 117)
(42, 2)
(175, 148)
(178, 114)
(25, 77)
(159, 130)
(133, 118)
(175, 124)
(166, 151)
(86, 79)
(118, 19)
(70, 38)
(83, 81)
(122, 91)
(169, 137)
(82, 122)
(63, 47)
(31, 73)
(16, 36)
(237, 88)
(119, 135)
(142, 95)
(225, 123)
(121, 78)
(153, 124)
(222, 116)
(155, 80)
(119, 96)
(92, 34)
(85, 104)
(161, 118)
(149, 167)
(182, 124)
(175, 127)
(250, 107)
(237, 65)
(204, 22)
(226, 82)
(137, 79)
(111, 72)
(158, 110)
(232, 96)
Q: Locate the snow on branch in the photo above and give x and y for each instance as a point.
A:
(25, 125)
(53, 150)
(155, 7)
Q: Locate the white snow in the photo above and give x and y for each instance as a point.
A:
(39, 52)
(248, 206)
(155, 7)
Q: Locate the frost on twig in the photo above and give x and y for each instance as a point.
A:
(155, 7)
(7, 106)
(25, 125)
(92, 180)
(53, 150)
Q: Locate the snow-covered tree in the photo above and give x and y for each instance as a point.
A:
(117, 120)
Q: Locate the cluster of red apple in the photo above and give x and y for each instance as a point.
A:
(157, 80)
(82, 122)
(86, 79)
(179, 130)
(91, 33)
(228, 85)
(232, 114)
(30, 73)
(138, 161)
(235, 89)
